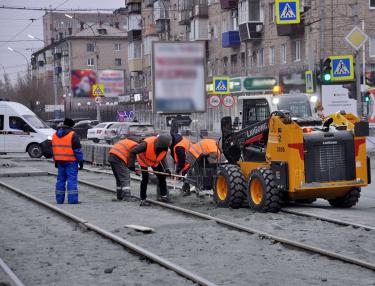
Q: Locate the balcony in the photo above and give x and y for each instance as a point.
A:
(135, 65)
(162, 26)
(149, 3)
(200, 10)
(134, 35)
(291, 29)
(229, 4)
(134, 8)
(251, 31)
(231, 39)
(184, 17)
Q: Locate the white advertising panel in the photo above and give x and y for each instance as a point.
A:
(113, 81)
(336, 98)
(179, 77)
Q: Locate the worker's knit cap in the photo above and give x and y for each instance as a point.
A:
(69, 122)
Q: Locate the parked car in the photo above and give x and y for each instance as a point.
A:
(82, 126)
(54, 122)
(98, 132)
(123, 130)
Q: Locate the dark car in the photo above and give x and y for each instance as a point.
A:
(82, 126)
(123, 130)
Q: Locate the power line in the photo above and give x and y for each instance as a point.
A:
(16, 41)
(42, 9)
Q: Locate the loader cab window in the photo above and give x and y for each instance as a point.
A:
(255, 110)
(1, 122)
(297, 106)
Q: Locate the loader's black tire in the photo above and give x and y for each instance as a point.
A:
(262, 193)
(229, 187)
(348, 200)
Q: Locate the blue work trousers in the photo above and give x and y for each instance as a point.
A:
(67, 179)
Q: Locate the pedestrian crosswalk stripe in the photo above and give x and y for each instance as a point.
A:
(221, 86)
(341, 69)
(287, 12)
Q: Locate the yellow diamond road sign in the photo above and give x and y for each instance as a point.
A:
(356, 38)
(98, 89)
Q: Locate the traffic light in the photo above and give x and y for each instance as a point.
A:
(366, 97)
(326, 69)
(370, 79)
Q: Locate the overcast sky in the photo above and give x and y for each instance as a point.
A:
(15, 25)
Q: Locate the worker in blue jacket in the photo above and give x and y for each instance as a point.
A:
(66, 148)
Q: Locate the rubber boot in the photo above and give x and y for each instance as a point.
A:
(119, 193)
(126, 194)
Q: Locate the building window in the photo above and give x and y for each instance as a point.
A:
(372, 47)
(243, 61)
(90, 47)
(90, 62)
(283, 54)
(272, 13)
(272, 56)
(216, 33)
(118, 62)
(254, 10)
(233, 63)
(372, 4)
(296, 51)
(260, 58)
(117, 47)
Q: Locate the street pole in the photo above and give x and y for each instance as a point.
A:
(357, 69)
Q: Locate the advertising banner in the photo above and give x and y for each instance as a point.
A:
(113, 81)
(82, 81)
(179, 77)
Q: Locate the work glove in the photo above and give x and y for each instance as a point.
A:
(56, 165)
(137, 172)
(131, 168)
(81, 165)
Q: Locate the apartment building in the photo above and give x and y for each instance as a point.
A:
(74, 47)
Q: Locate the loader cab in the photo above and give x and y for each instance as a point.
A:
(255, 108)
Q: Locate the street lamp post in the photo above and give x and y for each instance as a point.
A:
(27, 61)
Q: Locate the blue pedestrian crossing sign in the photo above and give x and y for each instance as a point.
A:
(287, 11)
(342, 68)
(221, 85)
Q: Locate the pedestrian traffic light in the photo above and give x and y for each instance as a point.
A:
(370, 79)
(366, 97)
(326, 70)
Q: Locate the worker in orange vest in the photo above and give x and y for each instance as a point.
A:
(152, 152)
(179, 149)
(207, 148)
(119, 158)
(67, 154)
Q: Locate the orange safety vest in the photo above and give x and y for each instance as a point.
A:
(122, 149)
(149, 158)
(184, 143)
(62, 147)
(205, 147)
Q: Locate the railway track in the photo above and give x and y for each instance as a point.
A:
(286, 211)
(10, 274)
(131, 247)
(241, 228)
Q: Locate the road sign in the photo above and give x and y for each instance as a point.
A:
(214, 100)
(356, 38)
(52, 108)
(180, 120)
(342, 68)
(309, 81)
(228, 100)
(221, 85)
(98, 100)
(287, 12)
(98, 89)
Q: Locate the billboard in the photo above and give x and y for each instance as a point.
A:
(178, 77)
(82, 81)
(113, 81)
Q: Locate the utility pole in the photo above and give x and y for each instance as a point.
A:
(357, 69)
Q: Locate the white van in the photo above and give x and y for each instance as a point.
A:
(22, 131)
